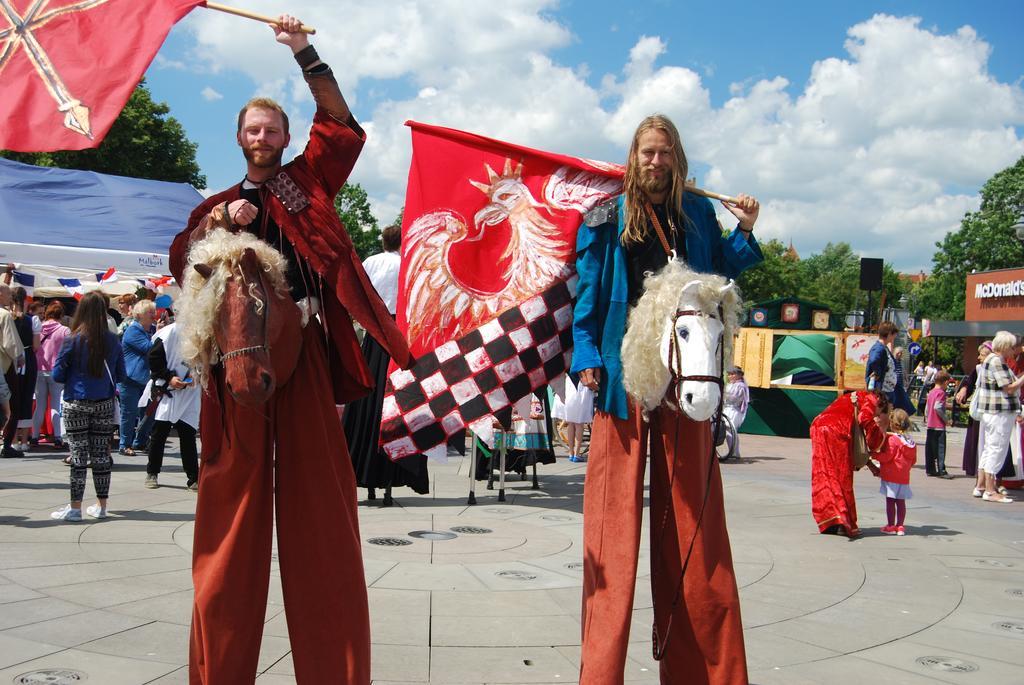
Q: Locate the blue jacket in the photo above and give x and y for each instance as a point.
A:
(72, 369)
(602, 297)
(878, 363)
(136, 343)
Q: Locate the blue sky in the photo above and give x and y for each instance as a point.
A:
(848, 125)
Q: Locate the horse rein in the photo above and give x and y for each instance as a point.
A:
(659, 646)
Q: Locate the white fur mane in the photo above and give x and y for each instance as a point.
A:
(644, 373)
(201, 298)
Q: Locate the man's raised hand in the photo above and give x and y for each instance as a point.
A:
(746, 210)
(287, 31)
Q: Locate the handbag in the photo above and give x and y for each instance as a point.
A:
(858, 444)
(974, 409)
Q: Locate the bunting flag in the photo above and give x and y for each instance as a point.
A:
(74, 286)
(487, 282)
(108, 276)
(28, 281)
(155, 284)
(69, 66)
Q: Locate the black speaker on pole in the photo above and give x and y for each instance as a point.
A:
(870, 273)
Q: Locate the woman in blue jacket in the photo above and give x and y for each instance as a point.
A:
(89, 366)
(136, 344)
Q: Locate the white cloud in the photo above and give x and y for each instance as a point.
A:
(876, 148)
(210, 95)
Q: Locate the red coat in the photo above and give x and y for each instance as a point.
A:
(897, 459)
(832, 498)
(319, 238)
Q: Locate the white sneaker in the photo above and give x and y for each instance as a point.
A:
(68, 513)
(21, 447)
(96, 511)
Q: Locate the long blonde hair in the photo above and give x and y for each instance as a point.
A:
(636, 219)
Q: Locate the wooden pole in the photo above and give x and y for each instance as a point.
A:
(251, 15)
(714, 196)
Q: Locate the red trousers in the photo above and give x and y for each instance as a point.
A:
(293, 445)
(705, 642)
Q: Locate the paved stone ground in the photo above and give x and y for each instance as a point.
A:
(944, 604)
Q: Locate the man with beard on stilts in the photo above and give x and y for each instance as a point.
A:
(284, 457)
(698, 637)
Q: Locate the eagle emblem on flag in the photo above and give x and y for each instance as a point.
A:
(487, 282)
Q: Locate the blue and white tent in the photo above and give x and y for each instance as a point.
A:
(62, 223)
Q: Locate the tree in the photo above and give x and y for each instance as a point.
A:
(353, 209)
(778, 276)
(983, 242)
(144, 142)
(832, 278)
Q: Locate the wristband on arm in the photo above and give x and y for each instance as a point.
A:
(306, 56)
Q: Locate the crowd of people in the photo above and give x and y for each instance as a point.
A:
(70, 380)
(851, 432)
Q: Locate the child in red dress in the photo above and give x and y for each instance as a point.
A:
(895, 462)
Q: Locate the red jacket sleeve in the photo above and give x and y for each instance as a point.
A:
(873, 435)
(332, 150)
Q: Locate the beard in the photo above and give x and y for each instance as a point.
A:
(263, 159)
(655, 184)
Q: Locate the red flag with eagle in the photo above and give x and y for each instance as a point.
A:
(487, 282)
(68, 67)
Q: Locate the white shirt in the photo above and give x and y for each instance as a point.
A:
(383, 272)
(180, 405)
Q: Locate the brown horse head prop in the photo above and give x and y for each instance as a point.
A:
(236, 309)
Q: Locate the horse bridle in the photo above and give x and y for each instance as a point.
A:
(252, 349)
(675, 369)
(676, 357)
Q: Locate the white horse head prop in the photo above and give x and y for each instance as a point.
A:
(677, 338)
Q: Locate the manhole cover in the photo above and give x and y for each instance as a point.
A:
(51, 676)
(574, 566)
(1016, 593)
(471, 530)
(1010, 627)
(516, 575)
(389, 542)
(556, 517)
(947, 664)
(994, 562)
(498, 510)
(432, 535)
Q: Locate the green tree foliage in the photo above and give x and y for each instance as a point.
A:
(778, 276)
(983, 242)
(353, 209)
(144, 142)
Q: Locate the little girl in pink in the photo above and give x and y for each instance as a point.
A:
(895, 462)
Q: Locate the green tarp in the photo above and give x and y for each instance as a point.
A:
(785, 412)
(800, 354)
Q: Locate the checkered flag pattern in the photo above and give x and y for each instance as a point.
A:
(471, 381)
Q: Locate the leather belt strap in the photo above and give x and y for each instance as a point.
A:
(659, 230)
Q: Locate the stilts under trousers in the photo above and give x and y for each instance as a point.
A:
(705, 642)
(294, 446)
